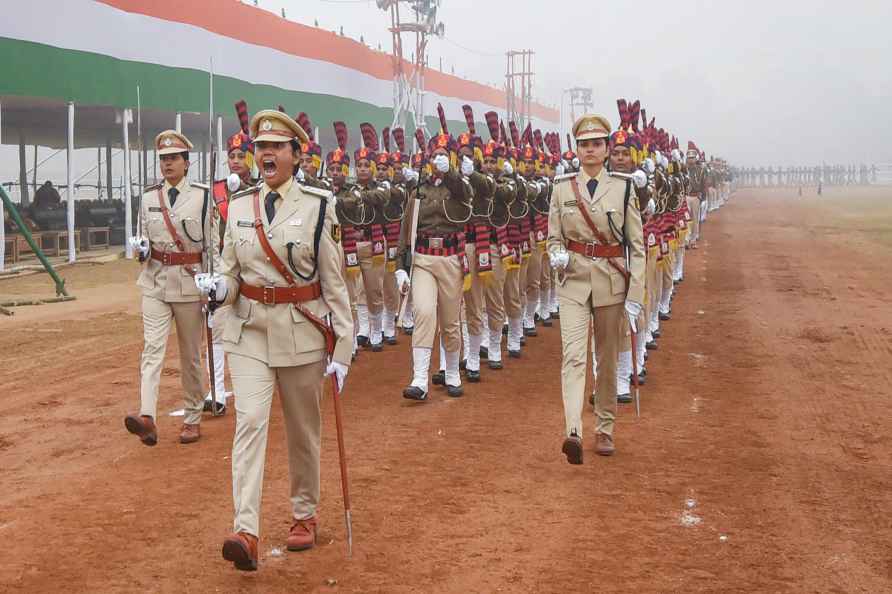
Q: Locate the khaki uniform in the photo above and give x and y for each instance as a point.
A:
(273, 345)
(483, 186)
(592, 289)
(515, 303)
(169, 293)
(436, 280)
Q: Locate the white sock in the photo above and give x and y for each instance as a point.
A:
(515, 331)
(442, 354)
(453, 377)
(623, 371)
(375, 327)
(495, 345)
(421, 363)
(473, 359)
(388, 326)
(362, 316)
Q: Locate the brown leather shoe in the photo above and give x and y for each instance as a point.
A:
(241, 549)
(190, 433)
(143, 426)
(572, 449)
(303, 534)
(604, 444)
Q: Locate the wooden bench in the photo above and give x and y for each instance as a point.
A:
(11, 247)
(96, 238)
(22, 247)
(55, 243)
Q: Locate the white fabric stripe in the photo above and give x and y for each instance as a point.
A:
(99, 28)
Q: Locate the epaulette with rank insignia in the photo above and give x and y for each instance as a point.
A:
(153, 188)
(325, 194)
(200, 186)
(559, 178)
(247, 191)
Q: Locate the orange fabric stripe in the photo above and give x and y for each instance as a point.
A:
(259, 27)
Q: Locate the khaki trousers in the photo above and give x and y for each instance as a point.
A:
(156, 321)
(694, 208)
(533, 276)
(511, 294)
(494, 292)
(485, 293)
(372, 277)
(436, 297)
(651, 287)
(545, 281)
(575, 321)
(300, 392)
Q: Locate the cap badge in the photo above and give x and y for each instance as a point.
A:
(266, 125)
(168, 141)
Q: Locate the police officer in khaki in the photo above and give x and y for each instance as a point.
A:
(173, 216)
(283, 274)
(593, 222)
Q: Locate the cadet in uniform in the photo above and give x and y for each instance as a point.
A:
(283, 274)
(173, 216)
(240, 159)
(370, 245)
(435, 271)
(592, 217)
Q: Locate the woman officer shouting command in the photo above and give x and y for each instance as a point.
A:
(283, 273)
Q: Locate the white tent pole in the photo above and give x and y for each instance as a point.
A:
(70, 190)
(128, 211)
(2, 210)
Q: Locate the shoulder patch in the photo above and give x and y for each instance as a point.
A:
(336, 232)
(246, 192)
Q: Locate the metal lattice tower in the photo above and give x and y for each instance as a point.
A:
(519, 86)
(408, 76)
(580, 97)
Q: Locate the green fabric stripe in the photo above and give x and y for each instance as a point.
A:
(37, 70)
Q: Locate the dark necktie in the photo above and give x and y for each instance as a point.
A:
(172, 195)
(592, 185)
(271, 206)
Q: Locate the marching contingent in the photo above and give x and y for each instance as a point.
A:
(467, 245)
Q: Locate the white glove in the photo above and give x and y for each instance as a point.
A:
(402, 280)
(385, 184)
(649, 166)
(559, 259)
(639, 178)
(575, 162)
(651, 207)
(233, 182)
(507, 169)
(441, 162)
(208, 283)
(410, 175)
(300, 175)
(559, 170)
(141, 245)
(340, 372)
(633, 310)
(467, 166)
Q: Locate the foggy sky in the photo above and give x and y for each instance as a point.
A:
(760, 83)
(785, 82)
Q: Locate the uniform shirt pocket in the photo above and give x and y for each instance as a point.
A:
(235, 322)
(307, 338)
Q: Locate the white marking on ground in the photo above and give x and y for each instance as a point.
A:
(178, 413)
(699, 359)
(700, 312)
(695, 404)
(688, 518)
(276, 552)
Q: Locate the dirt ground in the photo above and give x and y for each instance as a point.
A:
(761, 462)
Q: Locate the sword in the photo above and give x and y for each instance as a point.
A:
(209, 249)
